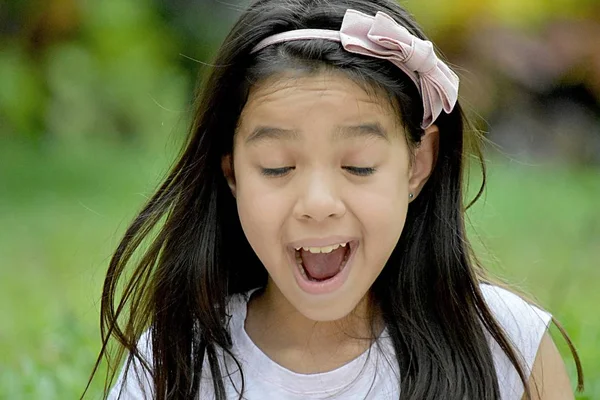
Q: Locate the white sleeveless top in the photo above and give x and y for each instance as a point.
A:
(373, 375)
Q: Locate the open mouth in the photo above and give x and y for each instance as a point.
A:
(320, 264)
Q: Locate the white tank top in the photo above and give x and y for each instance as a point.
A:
(373, 375)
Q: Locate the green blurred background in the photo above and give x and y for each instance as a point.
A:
(94, 102)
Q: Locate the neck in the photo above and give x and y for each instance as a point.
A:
(302, 344)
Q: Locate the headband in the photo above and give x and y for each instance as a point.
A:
(382, 37)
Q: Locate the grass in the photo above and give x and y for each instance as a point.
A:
(63, 210)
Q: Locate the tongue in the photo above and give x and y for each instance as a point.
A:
(322, 266)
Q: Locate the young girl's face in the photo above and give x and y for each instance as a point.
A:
(319, 162)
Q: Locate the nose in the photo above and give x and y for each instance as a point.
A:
(318, 199)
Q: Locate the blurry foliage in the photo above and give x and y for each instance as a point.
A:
(73, 70)
(115, 76)
(22, 93)
(441, 15)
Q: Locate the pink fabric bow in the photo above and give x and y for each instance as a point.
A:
(384, 38)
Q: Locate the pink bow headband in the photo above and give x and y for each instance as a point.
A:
(382, 37)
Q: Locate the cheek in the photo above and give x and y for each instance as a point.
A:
(261, 212)
(382, 213)
(386, 199)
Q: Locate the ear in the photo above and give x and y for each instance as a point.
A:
(423, 160)
(228, 171)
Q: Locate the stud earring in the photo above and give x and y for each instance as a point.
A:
(410, 195)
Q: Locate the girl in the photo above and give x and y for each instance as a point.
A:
(310, 241)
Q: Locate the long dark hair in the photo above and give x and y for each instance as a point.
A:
(428, 292)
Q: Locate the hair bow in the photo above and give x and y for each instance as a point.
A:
(382, 37)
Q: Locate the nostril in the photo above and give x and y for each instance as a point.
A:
(319, 203)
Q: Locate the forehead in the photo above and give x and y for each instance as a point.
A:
(328, 98)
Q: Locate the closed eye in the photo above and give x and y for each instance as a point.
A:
(360, 171)
(276, 171)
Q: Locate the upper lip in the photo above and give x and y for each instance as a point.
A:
(322, 242)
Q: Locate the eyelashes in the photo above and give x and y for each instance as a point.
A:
(277, 172)
(360, 171)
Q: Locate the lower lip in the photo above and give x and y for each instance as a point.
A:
(327, 286)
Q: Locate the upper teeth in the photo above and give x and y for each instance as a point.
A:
(326, 249)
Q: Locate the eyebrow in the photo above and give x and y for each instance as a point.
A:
(369, 130)
(342, 132)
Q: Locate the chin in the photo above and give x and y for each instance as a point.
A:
(329, 309)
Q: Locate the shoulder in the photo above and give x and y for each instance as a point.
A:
(549, 378)
(524, 325)
(517, 316)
